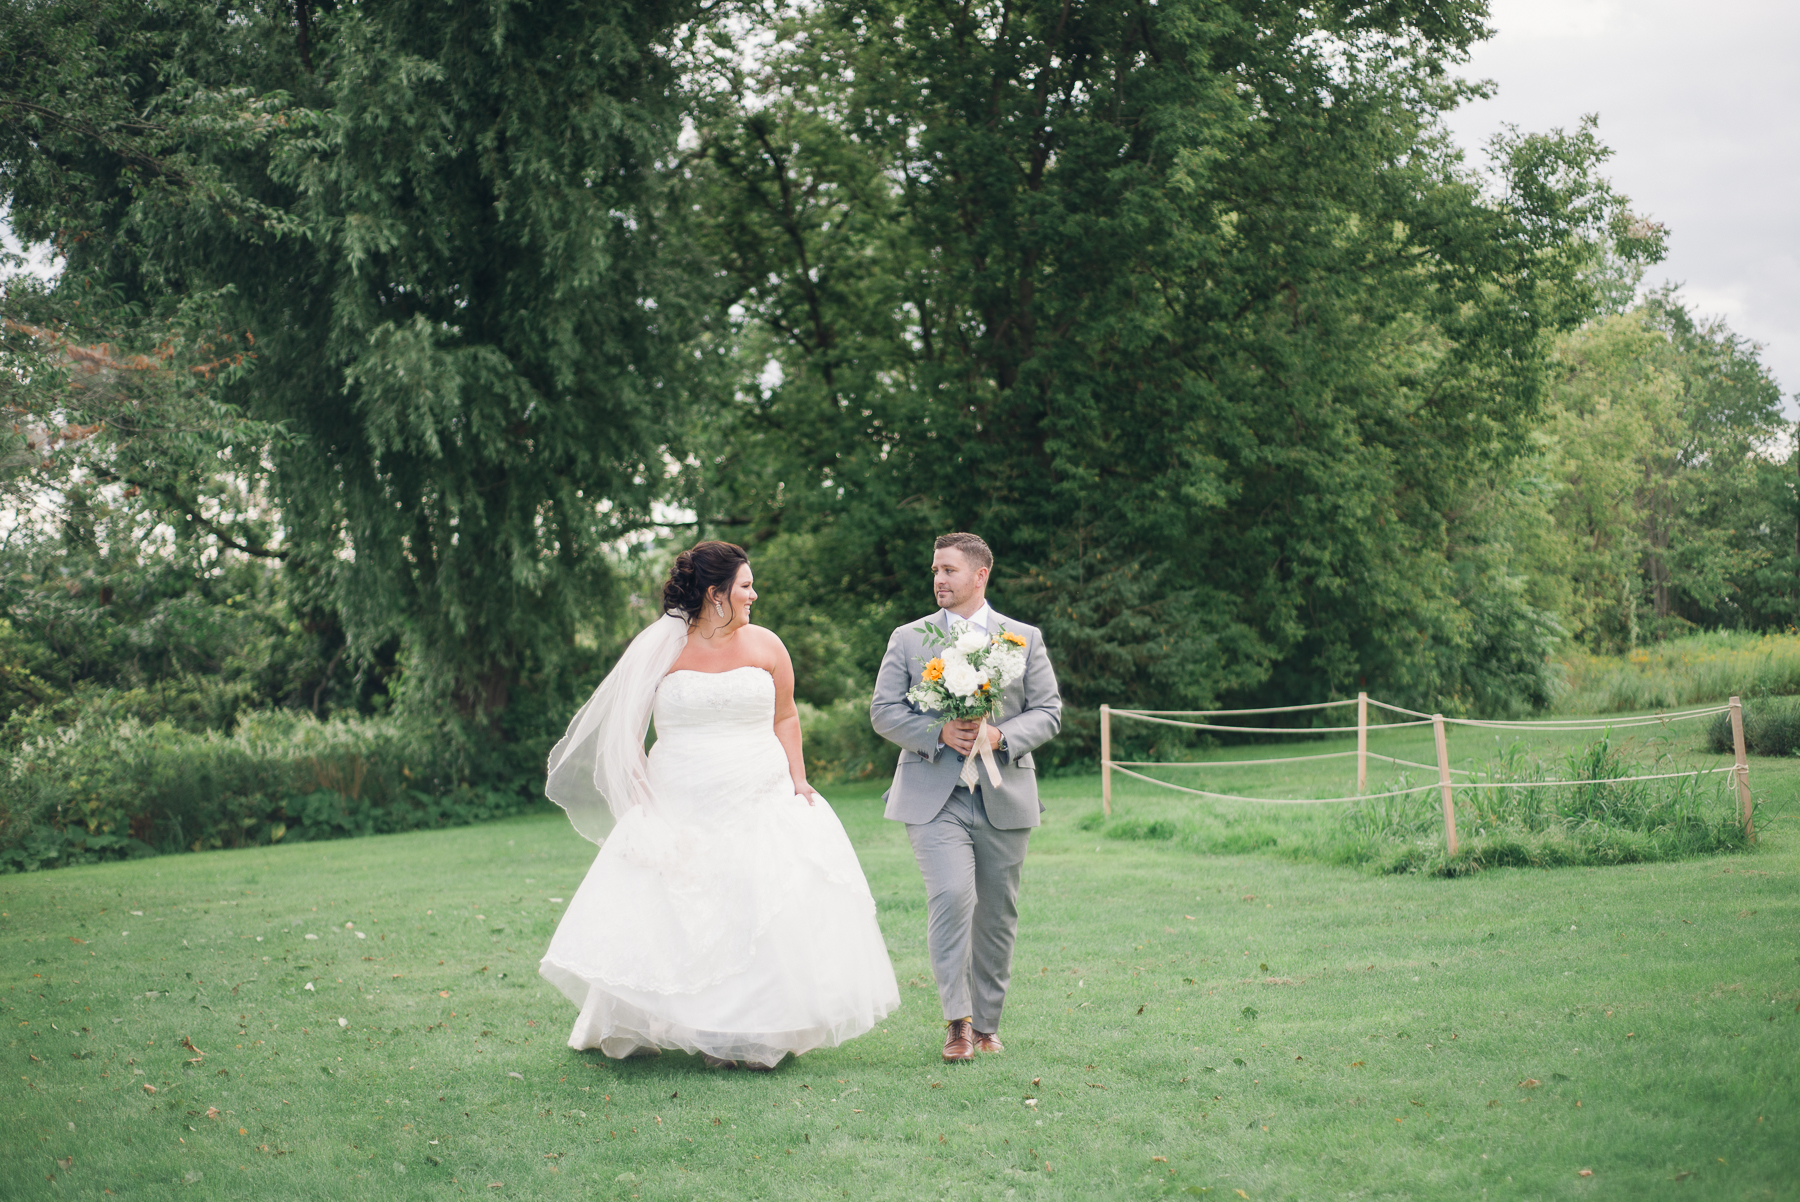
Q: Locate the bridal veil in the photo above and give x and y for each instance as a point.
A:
(599, 771)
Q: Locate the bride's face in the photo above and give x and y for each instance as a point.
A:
(742, 597)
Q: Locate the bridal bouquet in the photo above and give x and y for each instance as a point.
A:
(966, 678)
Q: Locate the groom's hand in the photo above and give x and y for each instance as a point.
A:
(959, 735)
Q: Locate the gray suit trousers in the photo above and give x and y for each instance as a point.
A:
(971, 871)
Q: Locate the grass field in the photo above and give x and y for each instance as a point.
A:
(1188, 1024)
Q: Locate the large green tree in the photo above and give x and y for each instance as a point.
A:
(1190, 308)
(447, 230)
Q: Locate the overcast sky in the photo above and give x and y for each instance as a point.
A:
(1701, 105)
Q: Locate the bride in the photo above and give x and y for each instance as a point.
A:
(726, 913)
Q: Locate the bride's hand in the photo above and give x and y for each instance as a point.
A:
(802, 789)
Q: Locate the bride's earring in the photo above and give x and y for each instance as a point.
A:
(719, 608)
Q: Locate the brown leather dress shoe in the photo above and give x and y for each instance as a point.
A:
(988, 1041)
(959, 1043)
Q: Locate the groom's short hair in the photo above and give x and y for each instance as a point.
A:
(971, 545)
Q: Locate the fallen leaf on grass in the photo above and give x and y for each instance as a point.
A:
(1160, 1159)
(1585, 1173)
(66, 1163)
(212, 1112)
(1095, 1085)
(149, 1088)
(1530, 1083)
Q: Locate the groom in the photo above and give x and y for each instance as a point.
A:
(969, 841)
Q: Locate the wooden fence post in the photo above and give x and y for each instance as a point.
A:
(1743, 769)
(1443, 754)
(1106, 759)
(1362, 742)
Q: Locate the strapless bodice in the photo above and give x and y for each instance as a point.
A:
(715, 703)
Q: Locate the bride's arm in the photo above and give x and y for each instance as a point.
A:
(787, 716)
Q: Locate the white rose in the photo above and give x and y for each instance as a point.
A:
(962, 678)
(971, 641)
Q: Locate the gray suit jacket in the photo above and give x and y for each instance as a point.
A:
(1030, 716)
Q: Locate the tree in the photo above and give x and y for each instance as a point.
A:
(447, 230)
(1191, 309)
(1669, 507)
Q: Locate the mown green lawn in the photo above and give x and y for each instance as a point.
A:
(1188, 1024)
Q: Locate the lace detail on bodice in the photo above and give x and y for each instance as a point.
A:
(741, 700)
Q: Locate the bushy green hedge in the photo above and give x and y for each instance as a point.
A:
(107, 787)
(1771, 727)
(840, 745)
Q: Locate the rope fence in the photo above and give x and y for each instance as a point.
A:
(1446, 786)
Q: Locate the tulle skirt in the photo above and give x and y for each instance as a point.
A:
(732, 918)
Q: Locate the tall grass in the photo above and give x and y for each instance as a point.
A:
(1679, 672)
(1599, 816)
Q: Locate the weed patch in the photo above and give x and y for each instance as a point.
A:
(1685, 671)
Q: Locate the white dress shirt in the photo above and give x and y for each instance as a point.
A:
(984, 618)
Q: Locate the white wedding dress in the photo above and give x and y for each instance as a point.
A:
(726, 916)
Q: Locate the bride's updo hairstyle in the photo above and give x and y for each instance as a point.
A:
(703, 566)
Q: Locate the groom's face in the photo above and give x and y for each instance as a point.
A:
(956, 581)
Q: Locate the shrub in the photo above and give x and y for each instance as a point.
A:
(1771, 727)
(107, 787)
(840, 745)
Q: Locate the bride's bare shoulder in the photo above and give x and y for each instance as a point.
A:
(764, 640)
